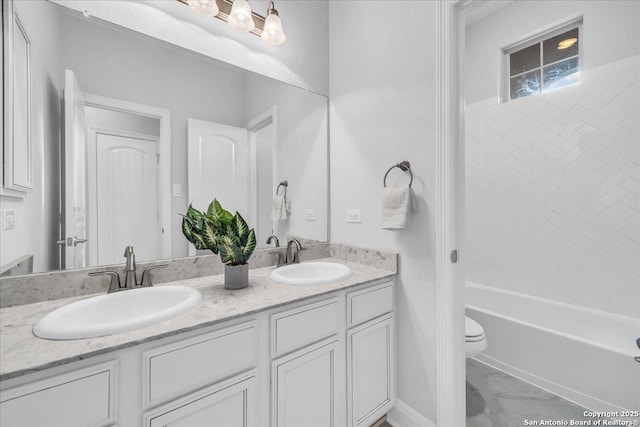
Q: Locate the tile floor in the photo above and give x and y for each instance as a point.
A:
(496, 399)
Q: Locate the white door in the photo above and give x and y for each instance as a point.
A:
(127, 211)
(75, 191)
(305, 387)
(218, 166)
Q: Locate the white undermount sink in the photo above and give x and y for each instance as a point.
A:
(117, 312)
(311, 273)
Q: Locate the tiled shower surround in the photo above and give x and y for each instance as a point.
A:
(552, 191)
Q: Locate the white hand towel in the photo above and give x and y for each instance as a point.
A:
(397, 204)
(281, 206)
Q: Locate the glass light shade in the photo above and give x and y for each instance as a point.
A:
(204, 7)
(240, 17)
(567, 43)
(272, 32)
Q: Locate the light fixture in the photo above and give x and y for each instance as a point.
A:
(240, 17)
(272, 32)
(238, 14)
(566, 43)
(204, 7)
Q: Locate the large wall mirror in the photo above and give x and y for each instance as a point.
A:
(127, 130)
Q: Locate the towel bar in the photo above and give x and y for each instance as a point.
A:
(404, 166)
(284, 184)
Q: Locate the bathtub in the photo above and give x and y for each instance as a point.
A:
(583, 355)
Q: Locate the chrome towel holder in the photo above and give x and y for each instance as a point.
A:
(404, 166)
(284, 184)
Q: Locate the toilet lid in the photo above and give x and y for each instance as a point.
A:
(472, 328)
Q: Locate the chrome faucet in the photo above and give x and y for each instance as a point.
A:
(275, 239)
(130, 280)
(293, 257)
(281, 259)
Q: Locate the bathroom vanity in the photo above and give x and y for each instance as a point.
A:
(272, 354)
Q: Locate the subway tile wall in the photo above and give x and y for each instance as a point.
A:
(552, 192)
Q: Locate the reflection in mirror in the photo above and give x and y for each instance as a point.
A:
(128, 130)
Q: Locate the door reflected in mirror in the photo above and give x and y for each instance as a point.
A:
(129, 130)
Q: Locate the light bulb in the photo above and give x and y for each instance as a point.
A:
(567, 43)
(240, 17)
(272, 32)
(204, 7)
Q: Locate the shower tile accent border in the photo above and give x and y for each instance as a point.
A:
(32, 288)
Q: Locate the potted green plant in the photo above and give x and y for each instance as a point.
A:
(224, 234)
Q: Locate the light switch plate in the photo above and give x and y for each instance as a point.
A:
(354, 215)
(310, 215)
(8, 219)
(177, 190)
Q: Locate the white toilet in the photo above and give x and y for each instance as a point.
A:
(475, 341)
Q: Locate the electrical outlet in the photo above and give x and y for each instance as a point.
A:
(354, 215)
(177, 190)
(8, 219)
(310, 215)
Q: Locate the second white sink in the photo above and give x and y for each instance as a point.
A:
(117, 312)
(311, 273)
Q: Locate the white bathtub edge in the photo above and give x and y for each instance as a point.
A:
(565, 393)
(619, 317)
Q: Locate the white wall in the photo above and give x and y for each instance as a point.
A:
(302, 151)
(39, 210)
(382, 111)
(301, 60)
(611, 32)
(553, 197)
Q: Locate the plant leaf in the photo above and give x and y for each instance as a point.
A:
(199, 243)
(188, 229)
(193, 213)
(230, 252)
(209, 236)
(222, 215)
(250, 245)
(241, 228)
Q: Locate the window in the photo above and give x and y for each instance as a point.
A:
(549, 62)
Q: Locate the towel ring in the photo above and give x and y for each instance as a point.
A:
(284, 184)
(404, 166)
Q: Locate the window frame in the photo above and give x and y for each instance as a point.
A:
(539, 38)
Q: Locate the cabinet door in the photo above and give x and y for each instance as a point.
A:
(304, 387)
(370, 371)
(229, 404)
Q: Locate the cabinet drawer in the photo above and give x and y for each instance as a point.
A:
(230, 403)
(296, 328)
(369, 303)
(181, 367)
(85, 397)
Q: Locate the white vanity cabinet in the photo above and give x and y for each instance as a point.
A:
(83, 397)
(325, 361)
(370, 354)
(308, 369)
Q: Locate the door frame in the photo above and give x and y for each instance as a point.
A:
(268, 116)
(92, 183)
(450, 175)
(164, 157)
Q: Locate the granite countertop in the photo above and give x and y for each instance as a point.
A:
(22, 353)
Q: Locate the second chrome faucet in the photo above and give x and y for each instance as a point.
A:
(292, 253)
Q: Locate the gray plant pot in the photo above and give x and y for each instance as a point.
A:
(236, 276)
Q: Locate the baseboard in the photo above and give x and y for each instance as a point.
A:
(403, 415)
